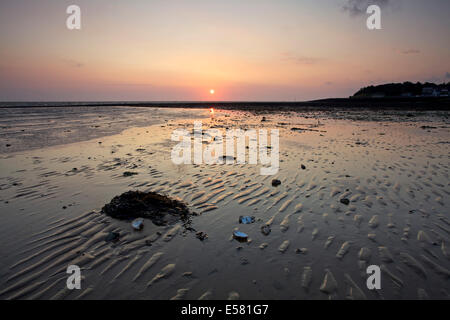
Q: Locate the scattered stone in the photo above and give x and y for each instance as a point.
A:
(284, 246)
(138, 224)
(345, 201)
(372, 236)
(343, 250)
(112, 237)
(303, 167)
(129, 174)
(240, 236)
(266, 230)
(201, 235)
(301, 250)
(374, 222)
(246, 219)
(228, 158)
(276, 182)
(263, 245)
(328, 242)
(329, 284)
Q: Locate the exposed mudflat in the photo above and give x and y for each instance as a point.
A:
(353, 193)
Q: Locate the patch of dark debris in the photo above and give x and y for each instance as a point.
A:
(160, 209)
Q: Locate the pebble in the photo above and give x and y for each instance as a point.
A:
(276, 182)
(343, 250)
(329, 283)
(284, 246)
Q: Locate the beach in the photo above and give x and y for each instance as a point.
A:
(358, 188)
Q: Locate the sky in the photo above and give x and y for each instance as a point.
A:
(245, 50)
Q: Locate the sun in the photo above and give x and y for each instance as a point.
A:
(212, 91)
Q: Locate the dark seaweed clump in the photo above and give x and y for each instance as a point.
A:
(160, 209)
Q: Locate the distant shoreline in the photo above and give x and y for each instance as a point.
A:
(404, 103)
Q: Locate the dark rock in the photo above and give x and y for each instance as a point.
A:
(112, 237)
(246, 219)
(8, 145)
(345, 201)
(303, 167)
(226, 158)
(160, 209)
(201, 236)
(138, 224)
(276, 182)
(129, 174)
(266, 230)
(240, 236)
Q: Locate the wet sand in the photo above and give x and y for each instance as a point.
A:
(394, 172)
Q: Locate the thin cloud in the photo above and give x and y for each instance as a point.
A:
(359, 7)
(73, 63)
(304, 60)
(411, 51)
